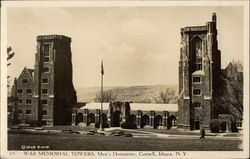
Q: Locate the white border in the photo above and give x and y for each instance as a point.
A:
(191, 154)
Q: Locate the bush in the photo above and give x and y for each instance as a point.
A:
(234, 127)
(223, 126)
(128, 126)
(104, 125)
(33, 123)
(215, 126)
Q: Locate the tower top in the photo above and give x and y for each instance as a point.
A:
(214, 17)
(52, 37)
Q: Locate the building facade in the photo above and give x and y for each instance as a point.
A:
(115, 113)
(199, 66)
(53, 95)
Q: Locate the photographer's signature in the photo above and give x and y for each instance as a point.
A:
(34, 147)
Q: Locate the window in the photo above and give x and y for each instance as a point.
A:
(197, 104)
(19, 91)
(28, 101)
(28, 111)
(46, 48)
(20, 101)
(20, 111)
(45, 80)
(24, 81)
(198, 66)
(196, 92)
(196, 79)
(44, 91)
(46, 59)
(28, 91)
(44, 112)
(45, 69)
(44, 101)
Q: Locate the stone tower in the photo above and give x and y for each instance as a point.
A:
(54, 93)
(199, 66)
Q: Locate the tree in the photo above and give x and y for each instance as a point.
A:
(168, 96)
(108, 96)
(10, 55)
(230, 98)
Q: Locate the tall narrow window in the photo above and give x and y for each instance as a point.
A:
(197, 104)
(46, 59)
(19, 91)
(46, 49)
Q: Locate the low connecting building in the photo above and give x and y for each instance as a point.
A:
(116, 113)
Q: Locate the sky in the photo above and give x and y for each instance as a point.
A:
(138, 45)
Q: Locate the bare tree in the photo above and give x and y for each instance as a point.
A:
(168, 96)
(230, 99)
(10, 55)
(108, 96)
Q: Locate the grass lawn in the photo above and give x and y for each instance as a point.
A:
(64, 141)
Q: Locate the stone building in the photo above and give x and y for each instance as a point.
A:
(52, 94)
(116, 113)
(23, 90)
(199, 67)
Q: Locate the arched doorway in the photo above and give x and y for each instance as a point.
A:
(196, 125)
(79, 118)
(105, 118)
(132, 119)
(171, 121)
(91, 118)
(144, 120)
(116, 119)
(158, 121)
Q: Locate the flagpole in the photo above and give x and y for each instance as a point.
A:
(101, 122)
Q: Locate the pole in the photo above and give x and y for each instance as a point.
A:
(101, 122)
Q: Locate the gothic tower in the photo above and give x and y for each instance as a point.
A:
(199, 66)
(54, 93)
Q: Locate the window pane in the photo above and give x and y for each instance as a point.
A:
(44, 80)
(28, 90)
(46, 59)
(44, 101)
(44, 91)
(28, 101)
(196, 91)
(24, 80)
(45, 69)
(19, 91)
(28, 111)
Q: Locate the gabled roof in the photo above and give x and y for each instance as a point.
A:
(30, 72)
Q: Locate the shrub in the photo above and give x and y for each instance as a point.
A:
(223, 126)
(128, 125)
(234, 127)
(215, 126)
(33, 123)
(104, 125)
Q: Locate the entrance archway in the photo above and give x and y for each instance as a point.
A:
(144, 120)
(116, 119)
(91, 118)
(196, 125)
(157, 121)
(223, 126)
(171, 121)
(79, 118)
(132, 119)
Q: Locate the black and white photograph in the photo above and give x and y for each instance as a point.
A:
(124, 79)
